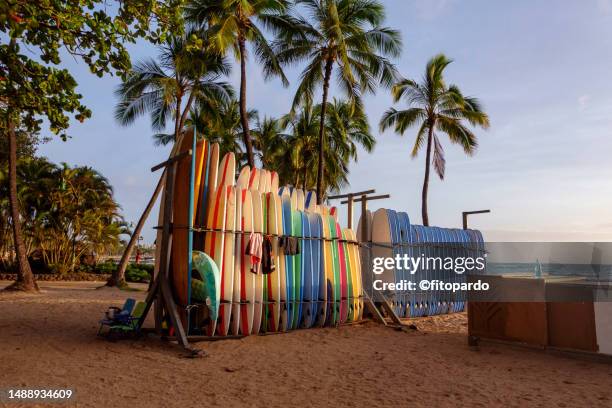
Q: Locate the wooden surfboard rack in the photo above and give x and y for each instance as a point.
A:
(160, 293)
(378, 309)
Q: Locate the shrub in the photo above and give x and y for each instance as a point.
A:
(138, 273)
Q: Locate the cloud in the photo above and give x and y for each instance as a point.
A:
(605, 6)
(583, 101)
(430, 9)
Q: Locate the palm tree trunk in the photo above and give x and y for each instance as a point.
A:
(246, 133)
(25, 277)
(321, 169)
(426, 180)
(118, 276)
(304, 175)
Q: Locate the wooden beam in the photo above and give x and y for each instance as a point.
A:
(368, 304)
(335, 197)
(466, 213)
(363, 197)
(170, 161)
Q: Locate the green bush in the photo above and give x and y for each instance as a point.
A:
(106, 267)
(138, 273)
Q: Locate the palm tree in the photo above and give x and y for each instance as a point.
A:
(231, 23)
(218, 122)
(185, 74)
(294, 154)
(270, 142)
(346, 34)
(11, 126)
(434, 106)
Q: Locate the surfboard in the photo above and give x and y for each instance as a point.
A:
(316, 271)
(395, 297)
(247, 278)
(381, 248)
(225, 182)
(283, 318)
(160, 218)
(405, 240)
(273, 279)
(328, 312)
(307, 272)
(199, 173)
(213, 169)
(254, 179)
(356, 272)
(300, 199)
(181, 249)
(337, 282)
(343, 274)
(298, 276)
(243, 177)
(236, 292)
(289, 278)
(241, 183)
(209, 278)
(310, 201)
(202, 195)
(227, 272)
(257, 228)
(274, 182)
(349, 277)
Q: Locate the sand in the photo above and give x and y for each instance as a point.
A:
(49, 340)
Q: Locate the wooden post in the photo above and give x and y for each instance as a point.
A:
(466, 213)
(364, 216)
(350, 212)
(349, 201)
(160, 290)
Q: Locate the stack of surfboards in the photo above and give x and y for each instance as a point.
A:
(391, 234)
(215, 214)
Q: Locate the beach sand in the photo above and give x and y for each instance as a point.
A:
(49, 341)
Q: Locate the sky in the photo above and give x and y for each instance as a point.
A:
(542, 71)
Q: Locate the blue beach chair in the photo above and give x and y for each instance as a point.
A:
(115, 315)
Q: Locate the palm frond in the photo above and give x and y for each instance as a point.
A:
(439, 161)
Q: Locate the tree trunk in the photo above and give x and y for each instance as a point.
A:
(305, 176)
(426, 180)
(328, 70)
(118, 276)
(246, 133)
(25, 277)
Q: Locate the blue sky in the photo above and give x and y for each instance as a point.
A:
(542, 70)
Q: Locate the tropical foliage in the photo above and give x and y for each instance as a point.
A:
(294, 154)
(434, 106)
(35, 91)
(188, 73)
(232, 24)
(67, 214)
(344, 51)
(344, 38)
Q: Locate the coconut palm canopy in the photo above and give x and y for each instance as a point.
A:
(340, 46)
(67, 213)
(435, 107)
(339, 39)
